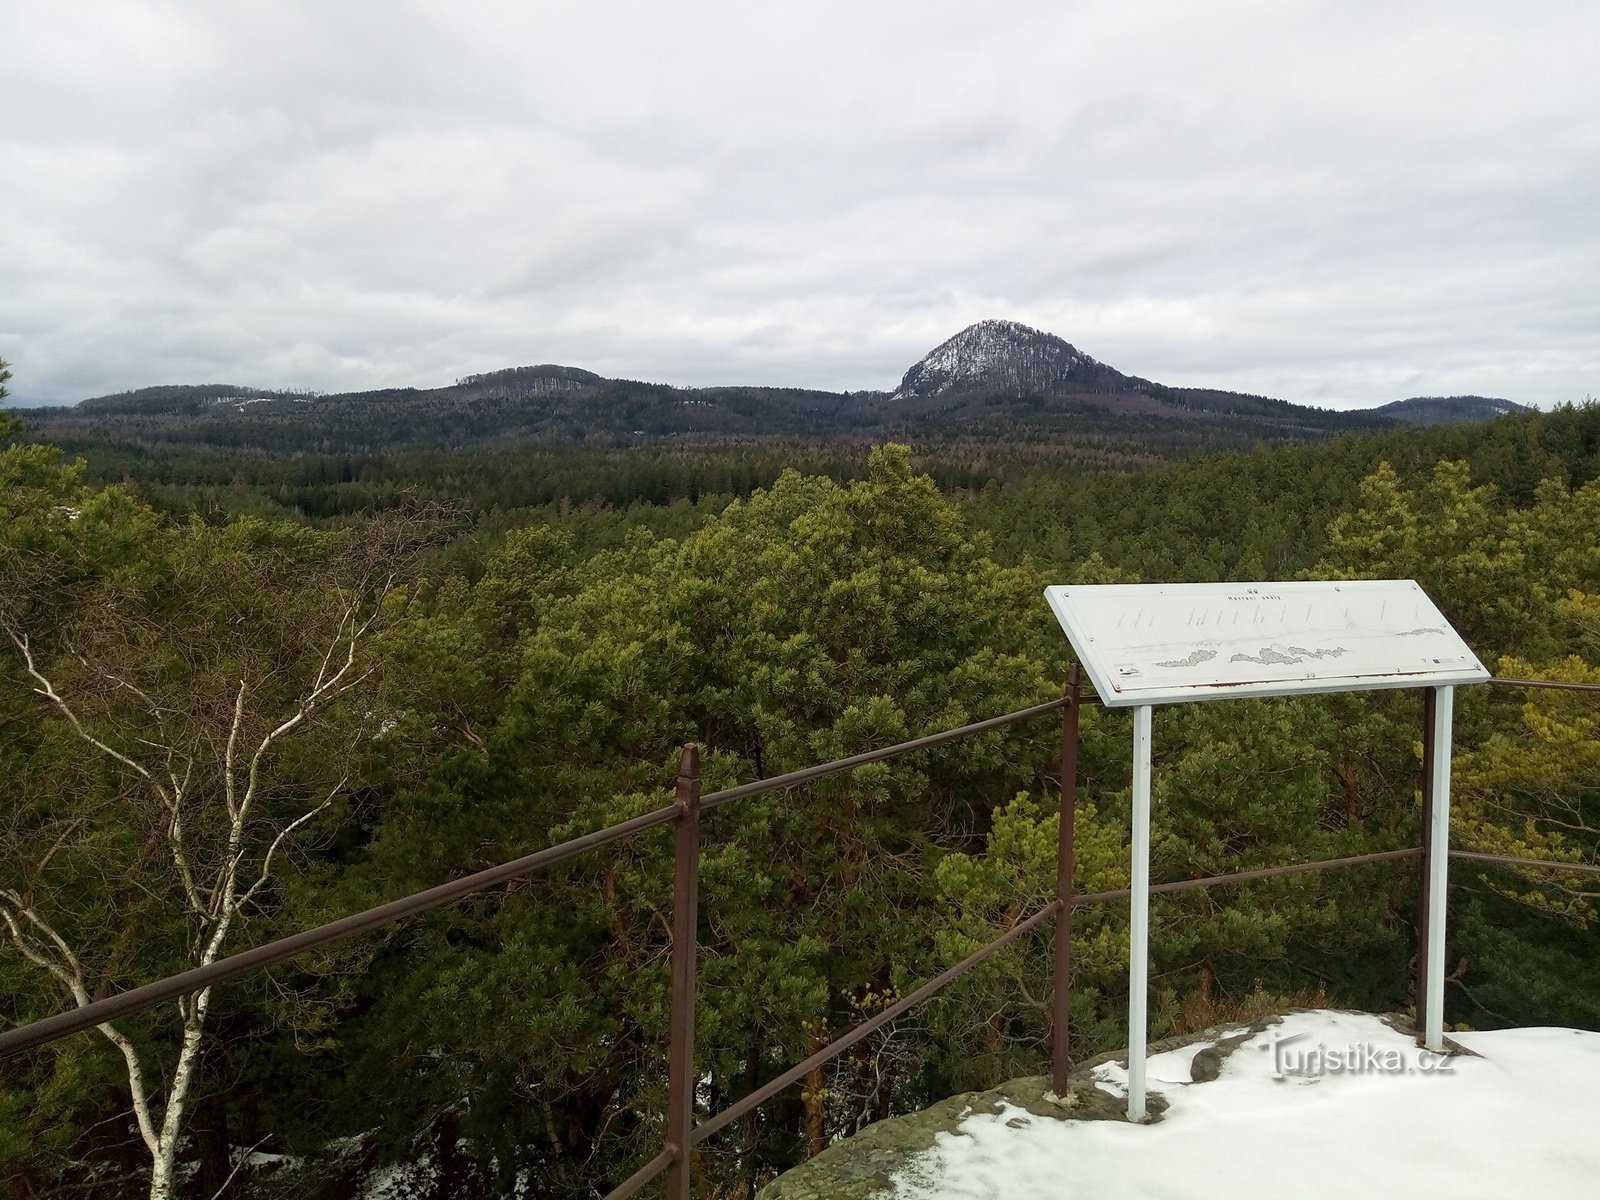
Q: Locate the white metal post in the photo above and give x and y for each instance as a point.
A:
(1439, 864)
(1139, 916)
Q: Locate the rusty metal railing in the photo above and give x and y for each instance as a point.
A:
(682, 1134)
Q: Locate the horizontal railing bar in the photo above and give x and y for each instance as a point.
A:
(835, 1048)
(1184, 885)
(642, 1176)
(838, 1046)
(1511, 860)
(1552, 684)
(796, 778)
(76, 1020)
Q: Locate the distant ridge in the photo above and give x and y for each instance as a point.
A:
(994, 382)
(181, 398)
(1437, 410)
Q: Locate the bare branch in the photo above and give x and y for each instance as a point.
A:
(266, 863)
(326, 688)
(180, 849)
(225, 899)
(47, 689)
(30, 949)
(155, 709)
(229, 782)
(240, 1160)
(327, 655)
(70, 972)
(55, 847)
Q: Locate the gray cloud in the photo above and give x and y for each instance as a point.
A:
(1338, 205)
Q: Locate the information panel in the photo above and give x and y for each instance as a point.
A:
(1164, 643)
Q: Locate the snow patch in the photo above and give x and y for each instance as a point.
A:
(994, 353)
(1518, 1120)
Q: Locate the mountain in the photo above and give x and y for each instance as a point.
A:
(1436, 410)
(1002, 381)
(996, 383)
(1005, 358)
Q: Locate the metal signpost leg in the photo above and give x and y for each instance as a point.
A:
(1425, 890)
(1438, 866)
(1139, 918)
(1060, 1032)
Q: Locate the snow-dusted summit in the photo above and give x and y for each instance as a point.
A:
(995, 358)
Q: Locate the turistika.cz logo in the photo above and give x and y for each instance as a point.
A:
(1297, 1057)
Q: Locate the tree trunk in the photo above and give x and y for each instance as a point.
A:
(815, 1099)
(452, 1163)
(212, 1140)
(161, 1172)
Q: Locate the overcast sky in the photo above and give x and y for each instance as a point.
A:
(1337, 203)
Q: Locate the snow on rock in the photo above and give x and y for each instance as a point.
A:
(1329, 1105)
(998, 356)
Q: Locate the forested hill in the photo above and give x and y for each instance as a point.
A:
(995, 382)
(1433, 410)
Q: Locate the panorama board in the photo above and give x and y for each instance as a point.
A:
(1167, 643)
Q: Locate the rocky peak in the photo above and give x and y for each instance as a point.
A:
(998, 357)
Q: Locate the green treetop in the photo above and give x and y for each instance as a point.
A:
(8, 425)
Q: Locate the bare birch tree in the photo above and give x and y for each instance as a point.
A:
(218, 882)
(171, 772)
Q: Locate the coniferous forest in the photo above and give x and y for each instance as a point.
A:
(244, 691)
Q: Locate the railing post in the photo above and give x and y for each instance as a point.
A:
(685, 918)
(1429, 711)
(1060, 1031)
